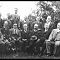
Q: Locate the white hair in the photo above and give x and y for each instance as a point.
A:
(25, 25)
(36, 25)
(15, 24)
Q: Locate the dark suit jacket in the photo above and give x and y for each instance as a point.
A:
(38, 33)
(5, 32)
(12, 32)
(25, 35)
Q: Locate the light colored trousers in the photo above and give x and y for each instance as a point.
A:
(56, 43)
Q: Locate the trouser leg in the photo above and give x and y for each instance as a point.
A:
(17, 45)
(48, 47)
(38, 47)
(24, 47)
(52, 49)
(31, 48)
(57, 48)
(43, 49)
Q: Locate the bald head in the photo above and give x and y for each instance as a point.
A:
(6, 23)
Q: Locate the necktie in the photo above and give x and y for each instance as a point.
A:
(15, 31)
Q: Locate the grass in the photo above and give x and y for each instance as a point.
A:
(26, 56)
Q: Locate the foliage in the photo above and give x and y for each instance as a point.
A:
(52, 6)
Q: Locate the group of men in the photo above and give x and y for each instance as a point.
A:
(33, 41)
(16, 37)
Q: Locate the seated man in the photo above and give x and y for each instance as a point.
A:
(55, 37)
(5, 31)
(45, 36)
(15, 32)
(25, 36)
(5, 34)
(15, 35)
(35, 41)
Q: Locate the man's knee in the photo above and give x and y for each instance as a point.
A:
(57, 43)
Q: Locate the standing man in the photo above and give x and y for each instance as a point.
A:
(16, 18)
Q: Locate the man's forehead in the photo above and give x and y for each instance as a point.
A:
(6, 22)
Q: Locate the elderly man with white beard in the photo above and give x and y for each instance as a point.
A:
(55, 36)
